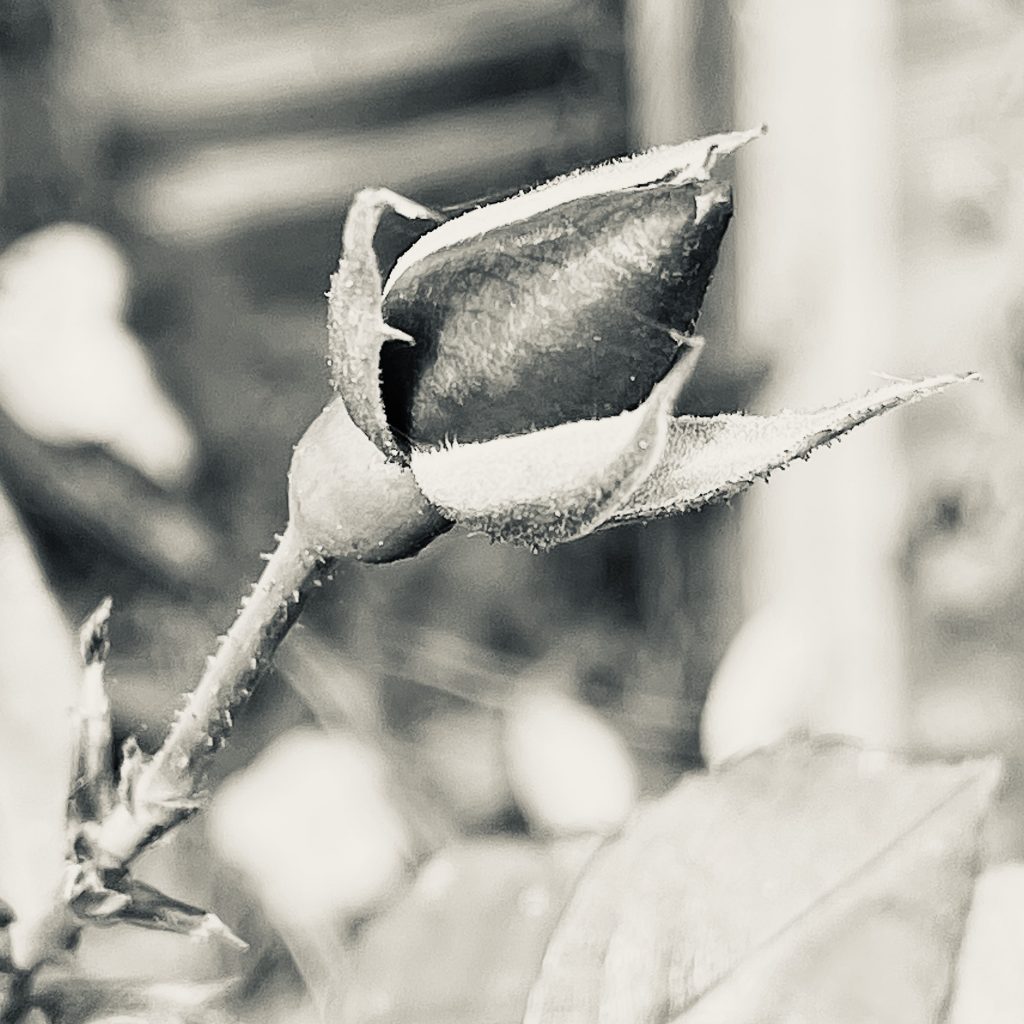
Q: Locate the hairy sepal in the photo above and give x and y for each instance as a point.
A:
(709, 459)
(355, 326)
(688, 161)
(552, 485)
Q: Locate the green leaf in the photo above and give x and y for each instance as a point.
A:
(812, 882)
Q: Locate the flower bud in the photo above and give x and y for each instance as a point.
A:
(525, 360)
(574, 313)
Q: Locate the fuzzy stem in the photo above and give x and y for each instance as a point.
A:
(165, 790)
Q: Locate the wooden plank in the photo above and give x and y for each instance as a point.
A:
(817, 293)
(164, 76)
(661, 41)
(213, 192)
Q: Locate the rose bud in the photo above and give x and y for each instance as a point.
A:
(518, 370)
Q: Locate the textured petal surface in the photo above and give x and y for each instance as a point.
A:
(711, 459)
(570, 315)
(552, 485)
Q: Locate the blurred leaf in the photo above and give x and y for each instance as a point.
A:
(805, 883)
(84, 491)
(313, 827)
(74, 999)
(345, 699)
(571, 773)
(768, 685)
(71, 372)
(339, 695)
(989, 984)
(463, 944)
(458, 752)
(39, 680)
(712, 459)
(127, 901)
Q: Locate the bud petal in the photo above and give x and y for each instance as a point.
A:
(573, 314)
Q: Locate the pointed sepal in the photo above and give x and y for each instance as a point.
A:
(355, 324)
(711, 459)
(552, 485)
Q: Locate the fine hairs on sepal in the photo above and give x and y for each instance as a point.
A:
(519, 370)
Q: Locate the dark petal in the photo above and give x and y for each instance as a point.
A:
(573, 313)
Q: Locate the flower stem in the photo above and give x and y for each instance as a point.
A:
(164, 791)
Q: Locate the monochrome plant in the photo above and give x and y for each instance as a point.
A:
(520, 372)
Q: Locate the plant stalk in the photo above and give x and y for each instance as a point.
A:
(164, 791)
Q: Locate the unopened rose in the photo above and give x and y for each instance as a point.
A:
(519, 369)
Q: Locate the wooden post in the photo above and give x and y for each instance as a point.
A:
(660, 44)
(679, 58)
(817, 237)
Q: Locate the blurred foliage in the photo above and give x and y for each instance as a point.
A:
(221, 167)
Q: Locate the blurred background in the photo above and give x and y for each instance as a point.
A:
(173, 178)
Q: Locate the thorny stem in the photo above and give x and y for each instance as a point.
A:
(165, 790)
